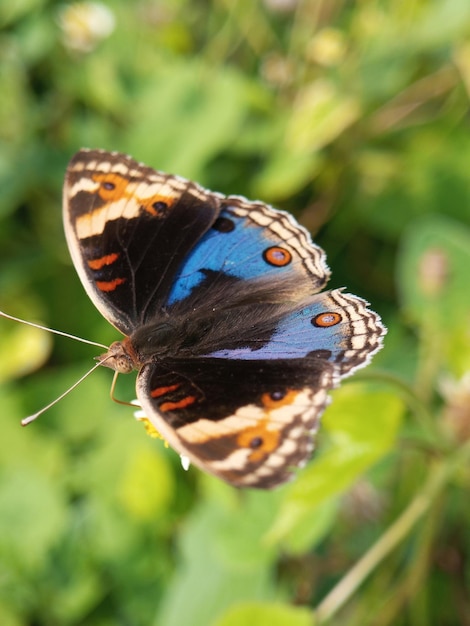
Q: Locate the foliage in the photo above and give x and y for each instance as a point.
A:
(354, 116)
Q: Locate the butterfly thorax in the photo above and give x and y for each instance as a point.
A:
(194, 335)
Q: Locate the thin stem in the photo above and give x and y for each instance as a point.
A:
(411, 583)
(396, 533)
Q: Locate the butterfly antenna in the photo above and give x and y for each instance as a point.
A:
(52, 330)
(31, 418)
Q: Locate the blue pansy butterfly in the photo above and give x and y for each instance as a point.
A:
(218, 300)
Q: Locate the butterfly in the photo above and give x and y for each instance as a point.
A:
(220, 304)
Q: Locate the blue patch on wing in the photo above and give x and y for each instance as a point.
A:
(297, 336)
(233, 246)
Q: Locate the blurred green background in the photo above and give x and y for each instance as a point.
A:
(354, 116)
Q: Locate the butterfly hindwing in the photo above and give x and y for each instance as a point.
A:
(333, 326)
(250, 423)
(248, 413)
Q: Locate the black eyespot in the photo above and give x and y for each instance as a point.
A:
(256, 442)
(223, 225)
(109, 186)
(277, 395)
(160, 207)
(320, 354)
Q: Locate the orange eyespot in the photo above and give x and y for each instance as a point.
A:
(277, 256)
(324, 320)
(278, 398)
(260, 440)
(157, 205)
(112, 186)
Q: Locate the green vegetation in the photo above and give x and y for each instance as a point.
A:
(354, 117)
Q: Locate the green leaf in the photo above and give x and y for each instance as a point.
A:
(13, 11)
(320, 114)
(146, 486)
(302, 528)
(23, 349)
(263, 614)
(9, 616)
(285, 173)
(32, 516)
(223, 559)
(362, 425)
(195, 112)
(28, 449)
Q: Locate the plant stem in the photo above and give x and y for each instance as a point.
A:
(438, 478)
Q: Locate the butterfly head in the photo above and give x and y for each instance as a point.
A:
(120, 357)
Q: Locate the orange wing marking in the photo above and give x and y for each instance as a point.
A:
(114, 187)
(260, 439)
(324, 320)
(281, 398)
(277, 256)
(180, 404)
(157, 205)
(108, 259)
(109, 285)
(161, 391)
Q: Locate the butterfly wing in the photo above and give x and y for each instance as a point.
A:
(123, 223)
(247, 422)
(333, 326)
(247, 241)
(142, 240)
(248, 413)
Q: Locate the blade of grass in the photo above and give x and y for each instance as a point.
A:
(439, 476)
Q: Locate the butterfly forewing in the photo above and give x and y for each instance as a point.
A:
(123, 226)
